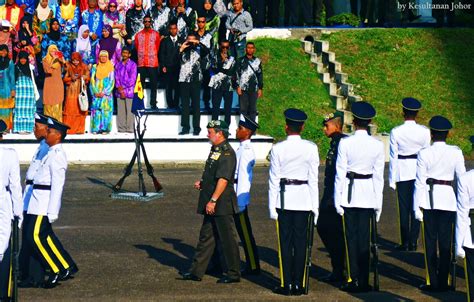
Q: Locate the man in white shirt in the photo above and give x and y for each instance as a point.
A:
(293, 201)
(243, 181)
(464, 226)
(435, 202)
(358, 194)
(405, 142)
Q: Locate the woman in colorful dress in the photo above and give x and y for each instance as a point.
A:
(102, 86)
(73, 116)
(55, 37)
(41, 20)
(108, 43)
(115, 19)
(84, 46)
(26, 95)
(68, 16)
(7, 87)
(53, 91)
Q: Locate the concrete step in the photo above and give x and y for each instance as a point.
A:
(321, 46)
(328, 57)
(334, 67)
(347, 89)
(341, 77)
(354, 98)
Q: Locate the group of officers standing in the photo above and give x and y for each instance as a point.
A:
(34, 209)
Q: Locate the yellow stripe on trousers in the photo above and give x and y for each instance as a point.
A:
(40, 246)
(280, 262)
(349, 279)
(10, 280)
(467, 280)
(424, 253)
(57, 253)
(243, 223)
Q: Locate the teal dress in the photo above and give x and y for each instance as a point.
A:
(102, 108)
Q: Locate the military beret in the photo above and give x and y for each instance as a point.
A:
(331, 116)
(411, 104)
(222, 125)
(41, 119)
(248, 123)
(3, 126)
(363, 110)
(295, 116)
(55, 124)
(472, 139)
(440, 123)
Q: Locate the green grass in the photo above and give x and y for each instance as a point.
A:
(435, 66)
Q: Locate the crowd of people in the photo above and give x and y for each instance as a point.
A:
(88, 50)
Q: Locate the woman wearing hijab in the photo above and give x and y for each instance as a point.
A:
(84, 45)
(102, 86)
(55, 37)
(115, 19)
(41, 19)
(109, 44)
(7, 86)
(27, 39)
(73, 116)
(53, 90)
(212, 21)
(68, 16)
(25, 101)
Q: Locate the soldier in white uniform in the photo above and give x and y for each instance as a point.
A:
(10, 206)
(358, 193)
(405, 142)
(44, 206)
(32, 272)
(465, 225)
(243, 181)
(435, 202)
(293, 197)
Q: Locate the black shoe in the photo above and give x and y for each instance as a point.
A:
(297, 290)
(412, 248)
(53, 281)
(189, 277)
(196, 133)
(332, 278)
(226, 280)
(183, 132)
(250, 272)
(428, 288)
(351, 287)
(285, 291)
(402, 248)
(69, 273)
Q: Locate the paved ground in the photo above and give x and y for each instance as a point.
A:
(131, 251)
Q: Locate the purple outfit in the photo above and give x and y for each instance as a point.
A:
(111, 45)
(125, 76)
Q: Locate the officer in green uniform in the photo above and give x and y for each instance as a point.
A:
(218, 204)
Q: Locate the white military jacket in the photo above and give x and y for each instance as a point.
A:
(244, 173)
(294, 158)
(464, 205)
(406, 139)
(362, 154)
(40, 153)
(52, 171)
(441, 162)
(10, 198)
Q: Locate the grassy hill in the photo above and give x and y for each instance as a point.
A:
(434, 65)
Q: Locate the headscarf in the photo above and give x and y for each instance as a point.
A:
(23, 69)
(83, 44)
(4, 61)
(23, 33)
(42, 13)
(81, 67)
(103, 69)
(67, 11)
(209, 14)
(54, 35)
(115, 15)
(49, 57)
(110, 43)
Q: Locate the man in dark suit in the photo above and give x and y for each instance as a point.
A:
(218, 204)
(169, 61)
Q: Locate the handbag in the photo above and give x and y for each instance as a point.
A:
(83, 99)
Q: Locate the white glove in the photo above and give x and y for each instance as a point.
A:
(460, 253)
(419, 215)
(340, 210)
(378, 212)
(52, 218)
(273, 214)
(316, 215)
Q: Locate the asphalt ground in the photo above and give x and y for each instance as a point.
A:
(132, 251)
